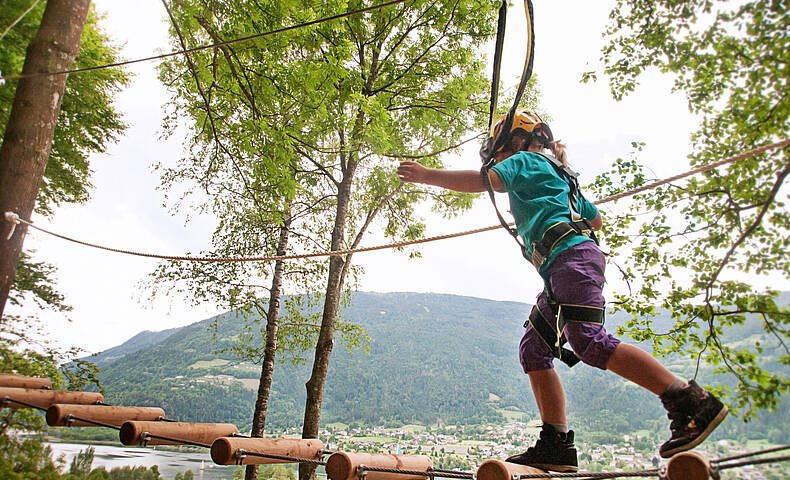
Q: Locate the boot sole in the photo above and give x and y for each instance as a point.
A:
(555, 468)
(711, 426)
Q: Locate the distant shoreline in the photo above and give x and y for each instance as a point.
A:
(106, 443)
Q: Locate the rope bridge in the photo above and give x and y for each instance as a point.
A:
(146, 426)
(15, 220)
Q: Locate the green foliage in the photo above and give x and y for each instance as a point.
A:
(81, 463)
(276, 472)
(88, 122)
(134, 473)
(282, 121)
(26, 459)
(99, 474)
(24, 456)
(188, 475)
(85, 435)
(295, 141)
(700, 249)
(33, 279)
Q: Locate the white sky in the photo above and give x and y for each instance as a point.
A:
(126, 210)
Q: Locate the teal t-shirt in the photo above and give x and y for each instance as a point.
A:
(539, 199)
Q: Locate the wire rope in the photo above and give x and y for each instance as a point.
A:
(73, 418)
(145, 436)
(751, 454)
(423, 473)
(241, 453)
(206, 47)
(747, 463)
(716, 464)
(592, 475)
(6, 400)
(14, 218)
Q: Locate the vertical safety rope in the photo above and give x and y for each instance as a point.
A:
(499, 44)
(526, 73)
(491, 145)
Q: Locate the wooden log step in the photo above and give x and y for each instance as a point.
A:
(344, 466)
(225, 451)
(135, 433)
(499, 470)
(20, 381)
(60, 415)
(44, 399)
(688, 466)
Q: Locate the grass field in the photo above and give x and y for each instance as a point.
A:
(217, 362)
(337, 426)
(249, 383)
(413, 428)
(513, 415)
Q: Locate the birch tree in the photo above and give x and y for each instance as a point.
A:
(317, 118)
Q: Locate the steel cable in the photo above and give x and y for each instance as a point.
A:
(593, 475)
(424, 473)
(241, 453)
(750, 454)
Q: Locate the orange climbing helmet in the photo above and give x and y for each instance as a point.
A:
(527, 122)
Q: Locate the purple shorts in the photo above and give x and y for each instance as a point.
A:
(576, 276)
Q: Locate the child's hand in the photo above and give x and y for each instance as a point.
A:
(412, 172)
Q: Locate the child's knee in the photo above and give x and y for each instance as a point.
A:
(591, 343)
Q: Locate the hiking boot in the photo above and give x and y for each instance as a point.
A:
(694, 412)
(553, 451)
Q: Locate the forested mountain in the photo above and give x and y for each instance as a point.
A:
(432, 358)
(144, 339)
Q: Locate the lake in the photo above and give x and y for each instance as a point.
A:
(169, 462)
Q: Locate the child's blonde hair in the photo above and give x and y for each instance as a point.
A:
(558, 150)
(520, 141)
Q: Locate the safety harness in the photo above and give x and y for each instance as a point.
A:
(550, 332)
(552, 335)
(561, 230)
(564, 313)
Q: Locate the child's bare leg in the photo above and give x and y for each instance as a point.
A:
(638, 366)
(549, 395)
(554, 448)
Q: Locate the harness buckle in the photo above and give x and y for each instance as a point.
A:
(553, 336)
(554, 234)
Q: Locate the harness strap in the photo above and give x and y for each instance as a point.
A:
(512, 231)
(549, 337)
(556, 233)
(563, 313)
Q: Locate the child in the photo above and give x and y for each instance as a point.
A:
(556, 225)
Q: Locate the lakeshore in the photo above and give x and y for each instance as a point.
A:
(170, 462)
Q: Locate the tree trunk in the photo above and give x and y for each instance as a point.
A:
(31, 125)
(269, 352)
(323, 349)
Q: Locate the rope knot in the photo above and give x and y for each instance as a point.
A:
(14, 220)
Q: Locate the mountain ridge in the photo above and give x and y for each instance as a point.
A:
(433, 358)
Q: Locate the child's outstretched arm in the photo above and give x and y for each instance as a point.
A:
(468, 181)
